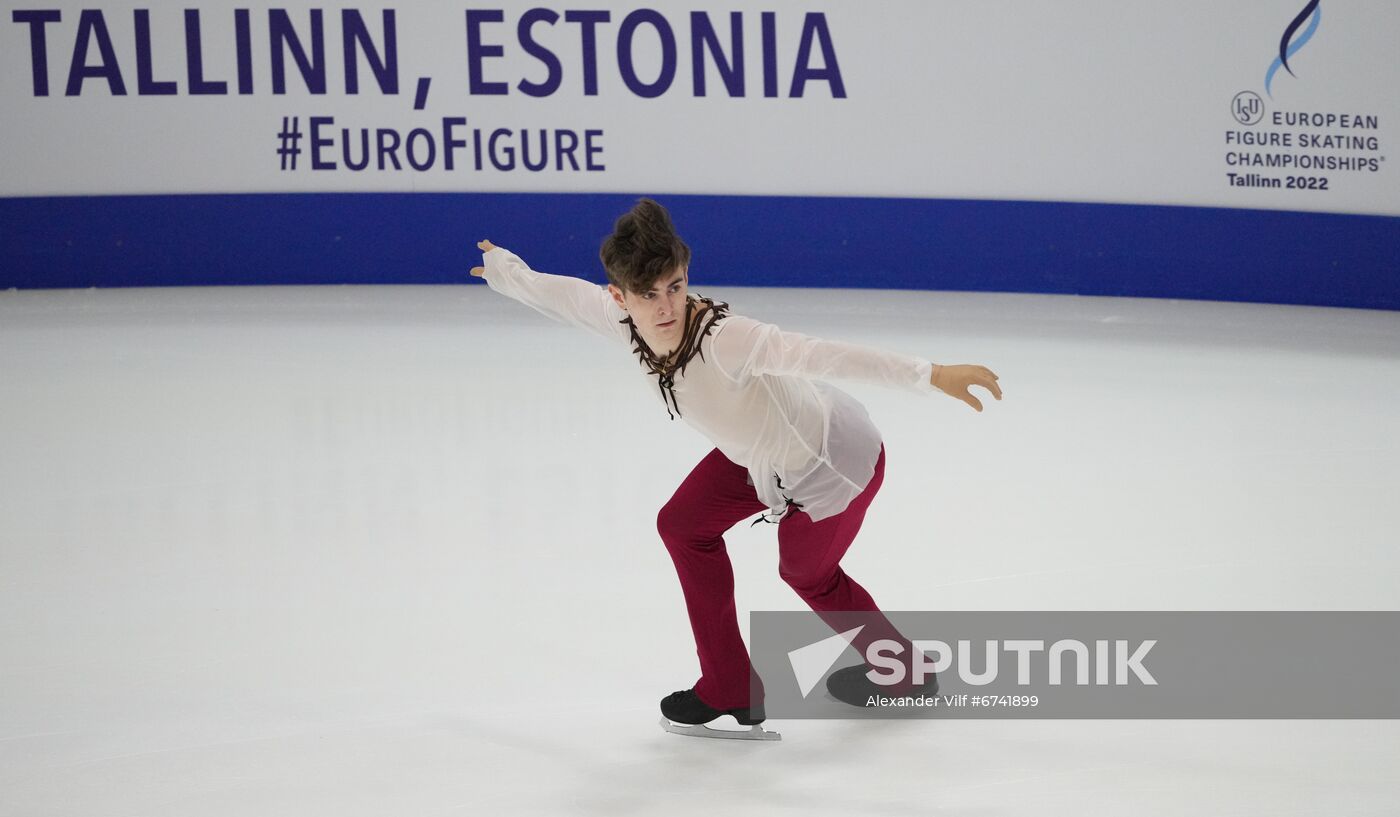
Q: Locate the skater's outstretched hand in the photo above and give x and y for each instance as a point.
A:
(484, 246)
(955, 381)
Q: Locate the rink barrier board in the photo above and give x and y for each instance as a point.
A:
(1220, 254)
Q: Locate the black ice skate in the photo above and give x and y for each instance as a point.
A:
(683, 713)
(850, 685)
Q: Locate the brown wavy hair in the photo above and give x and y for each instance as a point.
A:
(642, 248)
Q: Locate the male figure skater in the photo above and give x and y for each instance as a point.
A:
(785, 442)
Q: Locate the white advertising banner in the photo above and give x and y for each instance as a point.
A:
(1269, 104)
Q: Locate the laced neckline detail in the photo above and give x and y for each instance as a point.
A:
(666, 369)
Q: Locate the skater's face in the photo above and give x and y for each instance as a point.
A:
(659, 313)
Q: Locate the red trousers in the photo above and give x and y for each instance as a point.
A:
(715, 496)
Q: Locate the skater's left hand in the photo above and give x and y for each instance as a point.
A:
(955, 380)
(484, 246)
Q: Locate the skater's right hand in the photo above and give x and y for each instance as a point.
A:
(484, 246)
(954, 381)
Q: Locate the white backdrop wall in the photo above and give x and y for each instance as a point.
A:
(1096, 100)
(1102, 101)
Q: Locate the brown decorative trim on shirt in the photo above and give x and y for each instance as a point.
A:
(790, 506)
(666, 370)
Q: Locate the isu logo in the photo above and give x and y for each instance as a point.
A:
(1247, 108)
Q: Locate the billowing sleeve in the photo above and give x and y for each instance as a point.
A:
(566, 299)
(744, 348)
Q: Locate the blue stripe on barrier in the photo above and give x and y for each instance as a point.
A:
(429, 238)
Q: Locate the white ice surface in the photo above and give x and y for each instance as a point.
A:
(392, 551)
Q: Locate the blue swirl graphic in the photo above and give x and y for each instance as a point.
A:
(1287, 49)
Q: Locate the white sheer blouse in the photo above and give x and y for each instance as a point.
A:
(754, 389)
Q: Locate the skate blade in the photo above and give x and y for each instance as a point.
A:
(700, 730)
